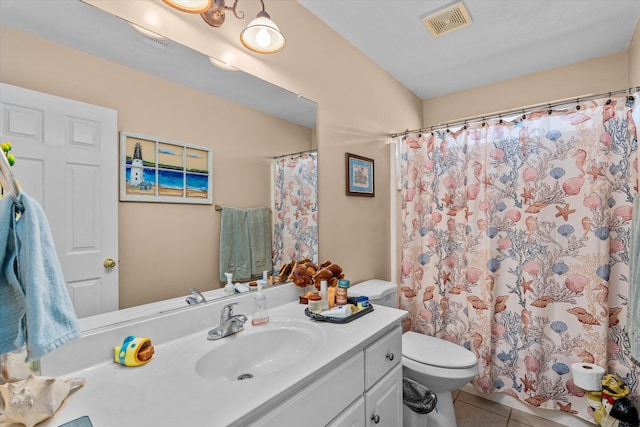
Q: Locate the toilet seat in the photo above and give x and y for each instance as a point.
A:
(433, 351)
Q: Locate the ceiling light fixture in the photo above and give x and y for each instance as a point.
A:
(145, 32)
(189, 6)
(221, 64)
(262, 35)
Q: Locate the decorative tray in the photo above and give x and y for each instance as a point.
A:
(354, 316)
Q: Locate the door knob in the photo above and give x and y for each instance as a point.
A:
(109, 263)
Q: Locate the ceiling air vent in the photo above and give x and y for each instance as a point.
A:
(447, 20)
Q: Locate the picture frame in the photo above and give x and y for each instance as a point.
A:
(360, 176)
(162, 171)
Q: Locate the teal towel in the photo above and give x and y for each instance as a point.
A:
(35, 308)
(259, 224)
(235, 253)
(12, 300)
(634, 282)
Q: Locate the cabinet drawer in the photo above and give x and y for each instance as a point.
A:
(381, 356)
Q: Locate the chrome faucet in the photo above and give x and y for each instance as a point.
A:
(229, 323)
(197, 297)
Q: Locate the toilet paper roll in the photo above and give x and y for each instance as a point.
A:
(587, 376)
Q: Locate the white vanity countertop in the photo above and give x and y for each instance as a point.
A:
(163, 393)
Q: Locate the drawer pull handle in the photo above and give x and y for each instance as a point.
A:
(375, 418)
(390, 356)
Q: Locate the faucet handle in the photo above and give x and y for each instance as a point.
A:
(197, 297)
(227, 311)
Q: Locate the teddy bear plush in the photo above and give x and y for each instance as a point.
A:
(300, 276)
(326, 275)
(286, 269)
(330, 272)
(304, 272)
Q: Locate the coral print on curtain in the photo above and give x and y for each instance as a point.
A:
(515, 246)
(296, 208)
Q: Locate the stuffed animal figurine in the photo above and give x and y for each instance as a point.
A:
(616, 409)
(286, 269)
(300, 276)
(304, 272)
(330, 272)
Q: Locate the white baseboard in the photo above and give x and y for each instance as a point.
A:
(510, 401)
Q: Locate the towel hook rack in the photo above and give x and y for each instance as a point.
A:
(8, 180)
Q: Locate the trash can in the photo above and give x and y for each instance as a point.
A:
(418, 402)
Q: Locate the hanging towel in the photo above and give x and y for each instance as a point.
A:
(12, 301)
(634, 283)
(235, 252)
(259, 224)
(45, 316)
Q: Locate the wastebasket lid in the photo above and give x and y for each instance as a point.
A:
(436, 352)
(373, 288)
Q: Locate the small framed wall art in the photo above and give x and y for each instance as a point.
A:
(360, 179)
(158, 170)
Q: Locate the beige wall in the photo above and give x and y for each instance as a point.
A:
(634, 57)
(163, 248)
(594, 76)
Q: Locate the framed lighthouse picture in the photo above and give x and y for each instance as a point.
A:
(159, 170)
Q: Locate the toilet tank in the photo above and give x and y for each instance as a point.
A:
(380, 292)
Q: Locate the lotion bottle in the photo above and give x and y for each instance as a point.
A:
(324, 297)
(260, 314)
(228, 288)
(265, 278)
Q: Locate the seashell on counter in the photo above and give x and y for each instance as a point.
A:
(34, 399)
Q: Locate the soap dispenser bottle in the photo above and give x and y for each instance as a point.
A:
(260, 314)
(228, 288)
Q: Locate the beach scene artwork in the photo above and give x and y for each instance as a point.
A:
(156, 170)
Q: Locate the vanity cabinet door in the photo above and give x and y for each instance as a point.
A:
(383, 402)
(317, 404)
(353, 416)
(382, 355)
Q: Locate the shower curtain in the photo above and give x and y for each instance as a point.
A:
(296, 208)
(516, 239)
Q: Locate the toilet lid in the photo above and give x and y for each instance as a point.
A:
(375, 289)
(436, 352)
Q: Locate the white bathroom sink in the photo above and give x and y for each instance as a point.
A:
(260, 351)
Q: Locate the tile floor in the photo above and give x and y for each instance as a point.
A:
(474, 411)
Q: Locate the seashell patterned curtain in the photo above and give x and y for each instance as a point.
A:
(295, 222)
(516, 239)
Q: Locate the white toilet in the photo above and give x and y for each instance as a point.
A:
(439, 365)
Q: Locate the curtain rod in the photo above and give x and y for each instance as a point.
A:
(522, 110)
(295, 154)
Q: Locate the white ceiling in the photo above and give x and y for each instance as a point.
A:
(507, 38)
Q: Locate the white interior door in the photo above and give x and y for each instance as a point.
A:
(67, 159)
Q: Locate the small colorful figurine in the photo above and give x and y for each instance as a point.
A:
(616, 410)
